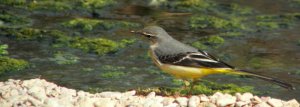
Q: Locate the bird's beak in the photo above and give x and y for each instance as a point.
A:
(137, 32)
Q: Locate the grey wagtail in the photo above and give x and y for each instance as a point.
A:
(186, 62)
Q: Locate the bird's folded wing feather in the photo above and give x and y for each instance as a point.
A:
(194, 59)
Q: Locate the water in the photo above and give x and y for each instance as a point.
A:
(277, 48)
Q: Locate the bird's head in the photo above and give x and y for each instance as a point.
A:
(155, 34)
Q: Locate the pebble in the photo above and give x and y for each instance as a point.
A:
(275, 102)
(203, 98)
(291, 103)
(194, 101)
(40, 93)
(182, 101)
(262, 104)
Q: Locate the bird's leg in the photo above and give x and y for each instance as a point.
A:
(192, 86)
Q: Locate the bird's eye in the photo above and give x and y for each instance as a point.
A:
(148, 35)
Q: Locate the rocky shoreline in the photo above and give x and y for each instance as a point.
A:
(40, 93)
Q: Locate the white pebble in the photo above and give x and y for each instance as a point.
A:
(203, 98)
(194, 101)
(105, 102)
(52, 102)
(114, 95)
(168, 101)
(263, 104)
(151, 95)
(182, 101)
(275, 102)
(225, 100)
(207, 104)
(256, 100)
(291, 103)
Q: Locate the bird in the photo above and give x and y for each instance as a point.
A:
(189, 63)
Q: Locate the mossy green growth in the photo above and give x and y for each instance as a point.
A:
(10, 19)
(202, 87)
(213, 22)
(50, 5)
(257, 62)
(113, 74)
(10, 64)
(23, 33)
(82, 23)
(3, 50)
(97, 4)
(62, 58)
(89, 24)
(113, 71)
(99, 46)
(13, 2)
(271, 22)
(213, 41)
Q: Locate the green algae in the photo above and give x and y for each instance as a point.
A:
(212, 41)
(97, 4)
(113, 74)
(13, 2)
(23, 33)
(99, 46)
(63, 58)
(257, 62)
(202, 87)
(213, 22)
(271, 22)
(8, 64)
(10, 19)
(50, 5)
(3, 50)
(89, 24)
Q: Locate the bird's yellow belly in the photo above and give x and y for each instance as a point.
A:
(191, 72)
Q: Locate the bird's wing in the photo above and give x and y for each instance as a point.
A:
(194, 59)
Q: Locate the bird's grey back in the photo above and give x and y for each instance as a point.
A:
(166, 45)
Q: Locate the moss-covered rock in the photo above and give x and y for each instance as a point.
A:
(9, 64)
(89, 24)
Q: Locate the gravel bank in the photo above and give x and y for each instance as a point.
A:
(40, 93)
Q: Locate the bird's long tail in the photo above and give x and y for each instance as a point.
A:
(266, 78)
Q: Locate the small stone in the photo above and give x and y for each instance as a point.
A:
(105, 102)
(151, 95)
(203, 98)
(263, 104)
(246, 97)
(129, 93)
(14, 92)
(225, 100)
(256, 100)
(275, 102)
(85, 102)
(240, 104)
(114, 95)
(172, 105)
(52, 102)
(38, 93)
(168, 101)
(182, 101)
(291, 103)
(156, 104)
(194, 101)
(207, 104)
(265, 99)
